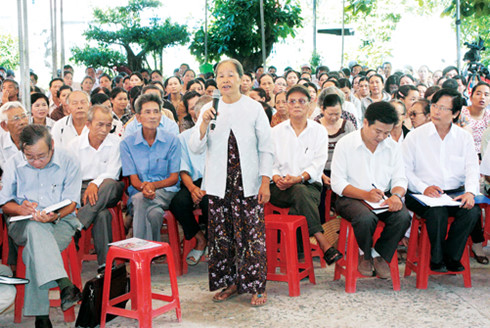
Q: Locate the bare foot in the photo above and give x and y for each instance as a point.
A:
(225, 294)
(259, 299)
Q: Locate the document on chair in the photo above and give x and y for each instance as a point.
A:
(443, 200)
(134, 244)
(48, 209)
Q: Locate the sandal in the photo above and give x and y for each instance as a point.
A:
(480, 259)
(332, 255)
(194, 256)
(226, 293)
(259, 296)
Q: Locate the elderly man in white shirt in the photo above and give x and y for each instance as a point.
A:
(366, 165)
(98, 153)
(300, 154)
(73, 125)
(13, 118)
(440, 157)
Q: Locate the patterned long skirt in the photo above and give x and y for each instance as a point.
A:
(236, 229)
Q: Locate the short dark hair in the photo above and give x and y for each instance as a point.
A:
(333, 80)
(449, 69)
(455, 96)
(404, 90)
(56, 79)
(210, 82)
(332, 100)
(192, 82)
(151, 87)
(261, 92)
(99, 89)
(409, 76)
(300, 89)
(425, 103)
(431, 90)
(63, 87)
(117, 91)
(479, 84)
(188, 96)
(377, 75)
(381, 111)
(143, 99)
(36, 96)
(165, 83)
(343, 82)
(450, 84)
(98, 98)
(32, 133)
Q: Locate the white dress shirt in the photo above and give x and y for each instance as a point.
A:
(448, 164)
(97, 164)
(252, 131)
(354, 164)
(63, 132)
(307, 152)
(7, 148)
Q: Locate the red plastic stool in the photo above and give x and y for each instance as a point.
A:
(172, 230)
(486, 222)
(316, 251)
(85, 244)
(418, 255)
(284, 254)
(188, 245)
(347, 266)
(72, 268)
(140, 293)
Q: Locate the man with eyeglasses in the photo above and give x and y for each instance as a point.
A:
(97, 151)
(300, 154)
(13, 118)
(440, 158)
(38, 177)
(368, 166)
(73, 125)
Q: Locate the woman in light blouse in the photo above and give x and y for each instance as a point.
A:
(239, 158)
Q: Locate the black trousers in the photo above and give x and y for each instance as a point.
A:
(452, 247)
(364, 222)
(182, 207)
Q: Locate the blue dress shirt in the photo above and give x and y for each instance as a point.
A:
(153, 163)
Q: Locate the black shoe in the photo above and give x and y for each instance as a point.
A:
(76, 238)
(454, 266)
(332, 255)
(438, 267)
(69, 297)
(43, 323)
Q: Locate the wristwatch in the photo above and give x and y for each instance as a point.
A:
(397, 195)
(58, 218)
(302, 178)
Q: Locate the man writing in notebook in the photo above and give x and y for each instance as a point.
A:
(441, 158)
(34, 179)
(367, 165)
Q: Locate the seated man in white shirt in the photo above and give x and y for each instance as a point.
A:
(366, 164)
(13, 118)
(300, 154)
(440, 157)
(73, 125)
(98, 153)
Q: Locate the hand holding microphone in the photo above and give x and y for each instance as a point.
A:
(216, 95)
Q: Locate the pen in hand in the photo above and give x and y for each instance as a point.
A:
(384, 196)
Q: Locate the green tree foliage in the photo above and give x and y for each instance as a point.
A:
(9, 50)
(234, 30)
(123, 26)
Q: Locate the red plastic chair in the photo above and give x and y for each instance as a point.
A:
(85, 244)
(316, 251)
(4, 241)
(418, 255)
(140, 293)
(172, 230)
(347, 266)
(72, 268)
(188, 245)
(486, 222)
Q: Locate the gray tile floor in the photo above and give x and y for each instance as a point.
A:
(446, 303)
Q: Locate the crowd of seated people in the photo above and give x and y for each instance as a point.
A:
(368, 135)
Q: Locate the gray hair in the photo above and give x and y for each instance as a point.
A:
(98, 108)
(75, 92)
(203, 100)
(143, 99)
(236, 63)
(8, 106)
(329, 91)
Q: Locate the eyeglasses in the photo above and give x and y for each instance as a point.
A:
(440, 107)
(32, 159)
(414, 114)
(301, 101)
(17, 118)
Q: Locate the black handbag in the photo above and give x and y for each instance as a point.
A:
(90, 310)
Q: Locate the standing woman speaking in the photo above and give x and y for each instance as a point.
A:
(239, 157)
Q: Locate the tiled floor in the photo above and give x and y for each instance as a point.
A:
(446, 303)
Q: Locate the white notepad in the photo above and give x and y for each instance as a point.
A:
(48, 209)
